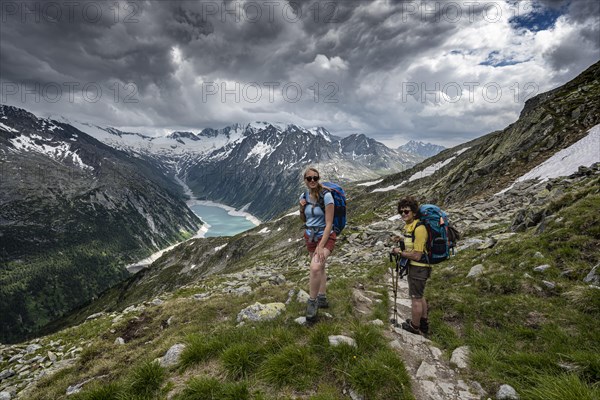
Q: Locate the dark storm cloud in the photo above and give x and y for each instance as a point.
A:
(170, 51)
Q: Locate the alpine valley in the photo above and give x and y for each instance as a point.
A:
(514, 314)
(247, 165)
(80, 201)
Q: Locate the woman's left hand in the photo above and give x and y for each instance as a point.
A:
(320, 254)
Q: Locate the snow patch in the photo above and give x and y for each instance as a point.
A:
(260, 150)
(60, 152)
(387, 189)
(430, 170)
(458, 153)
(8, 128)
(220, 247)
(370, 183)
(264, 230)
(585, 152)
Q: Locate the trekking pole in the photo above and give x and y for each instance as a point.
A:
(394, 320)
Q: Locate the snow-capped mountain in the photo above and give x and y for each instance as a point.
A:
(235, 164)
(422, 149)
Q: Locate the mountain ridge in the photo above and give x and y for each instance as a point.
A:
(421, 148)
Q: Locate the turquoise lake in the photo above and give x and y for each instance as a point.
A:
(221, 223)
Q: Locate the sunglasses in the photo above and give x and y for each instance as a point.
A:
(405, 212)
(312, 178)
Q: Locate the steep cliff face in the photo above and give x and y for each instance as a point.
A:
(73, 211)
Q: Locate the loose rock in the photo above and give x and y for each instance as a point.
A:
(460, 357)
(261, 312)
(336, 340)
(172, 356)
(475, 271)
(507, 392)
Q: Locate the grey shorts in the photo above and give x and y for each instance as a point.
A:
(417, 278)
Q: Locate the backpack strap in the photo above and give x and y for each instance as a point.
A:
(321, 201)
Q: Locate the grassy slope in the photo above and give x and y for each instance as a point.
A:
(542, 341)
(269, 360)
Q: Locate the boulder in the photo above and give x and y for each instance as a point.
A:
(426, 371)
(32, 348)
(592, 277)
(7, 373)
(94, 316)
(302, 296)
(460, 357)
(242, 290)
(277, 280)
(475, 271)
(171, 357)
(541, 268)
(300, 320)
(507, 392)
(549, 285)
(336, 340)
(157, 302)
(260, 312)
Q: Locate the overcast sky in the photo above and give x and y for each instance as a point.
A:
(438, 71)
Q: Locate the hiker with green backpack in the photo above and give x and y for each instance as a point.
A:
(321, 210)
(428, 239)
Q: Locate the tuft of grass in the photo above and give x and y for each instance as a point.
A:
(277, 337)
(242, 359)
(368, 338)
(111, 391)
(561, 387)
(147, 379)
(586, 299)
(200, 348)
(293, 366)
(381, 376)
(204, 388)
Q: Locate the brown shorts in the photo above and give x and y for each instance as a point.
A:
(417, 278)
(312, 246)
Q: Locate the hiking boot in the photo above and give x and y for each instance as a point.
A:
(423, 326)
(322, 301)
(312, 309)
(410, 328)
